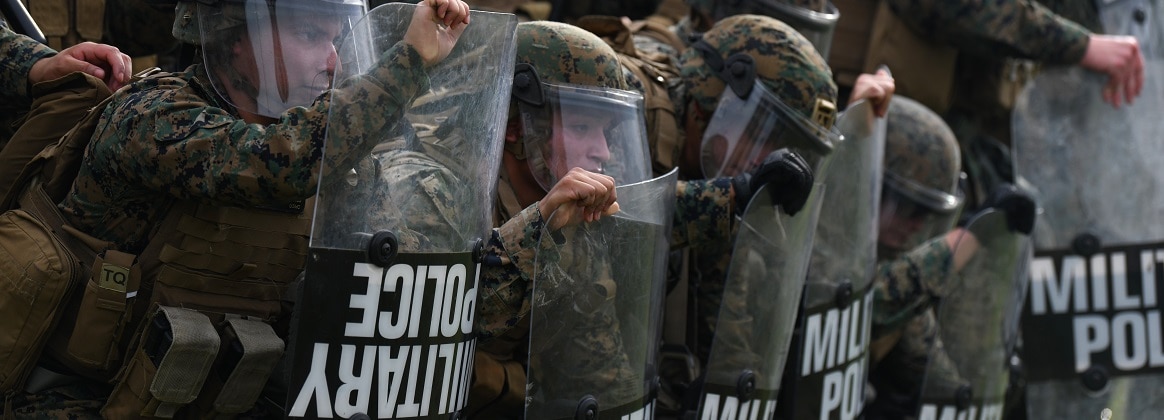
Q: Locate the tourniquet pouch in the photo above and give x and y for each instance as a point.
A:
(174, 353)
(37, 274)
(89, 341)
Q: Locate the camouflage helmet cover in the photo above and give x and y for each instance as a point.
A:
(922, 159)
(576, 73)
(566, 54)
(785, 62)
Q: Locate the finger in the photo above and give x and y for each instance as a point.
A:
(442, 8)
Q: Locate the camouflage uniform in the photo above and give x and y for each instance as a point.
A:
(20, 53)
(169, 149)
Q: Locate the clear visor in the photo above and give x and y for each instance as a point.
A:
(266, 59)
(597, 129)
(906, 223)
(744, 131)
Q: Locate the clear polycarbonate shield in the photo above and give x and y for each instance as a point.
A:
(967, 375)
(593, 128)
(840, 273)
(1091, 331)
(743, 131)
(816, 25)
(387, 312)
(267, 57)
(598, 290)
(1139, 18)
(762, 291)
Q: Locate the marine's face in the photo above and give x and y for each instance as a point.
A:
(579, 141)
(899, 222)
(302, 60)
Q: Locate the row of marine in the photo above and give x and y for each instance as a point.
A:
(432, 211)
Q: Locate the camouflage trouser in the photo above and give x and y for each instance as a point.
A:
(71, 402)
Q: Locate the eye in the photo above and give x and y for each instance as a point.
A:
(310, 34)
(579, 128)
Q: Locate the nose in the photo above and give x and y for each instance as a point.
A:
(332, 63)
(599, 150)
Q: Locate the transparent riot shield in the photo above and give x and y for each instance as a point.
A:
(386, 314)
(596, 302)
(1091, 331)
(968, 372)
(826, 376)
(758, 308)
(1139, 18)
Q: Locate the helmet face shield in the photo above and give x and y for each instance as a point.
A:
(910, 216)
(597, 129)
(267, 57)
(743, 131)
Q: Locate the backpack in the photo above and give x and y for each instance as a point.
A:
(653, 72)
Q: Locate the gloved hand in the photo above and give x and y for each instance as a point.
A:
(787, 175)
(1018, 205)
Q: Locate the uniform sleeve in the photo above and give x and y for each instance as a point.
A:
(19, 53)
(899, 293)
(703, 212)
(507, 270)
(1013, 28)
(190, 150)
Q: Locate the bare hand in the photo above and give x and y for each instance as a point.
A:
(580, 196)
(876, 88)
(1119, 58)
(436, 25)
(102, 61)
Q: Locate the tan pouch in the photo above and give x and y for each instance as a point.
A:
(37, 274)
(922, 69)
(104, 310)
(170, 363)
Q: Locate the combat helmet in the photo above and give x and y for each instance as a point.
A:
(269, 28)
(768, 87)
(563, 71)
(921, 169)
(815, 19)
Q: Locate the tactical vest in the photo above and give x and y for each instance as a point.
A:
(653, 70)
(187, 323)
(69, 22)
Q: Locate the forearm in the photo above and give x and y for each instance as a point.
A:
(20, 53)
(903, 287)
(1013, 28)
(703, 212)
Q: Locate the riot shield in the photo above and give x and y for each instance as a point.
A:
(1139, 18)
(15, 16)
(826, 377)
(967, 374)
(387, 310)
(594, 320)
(1091, 332)
(760, 298)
